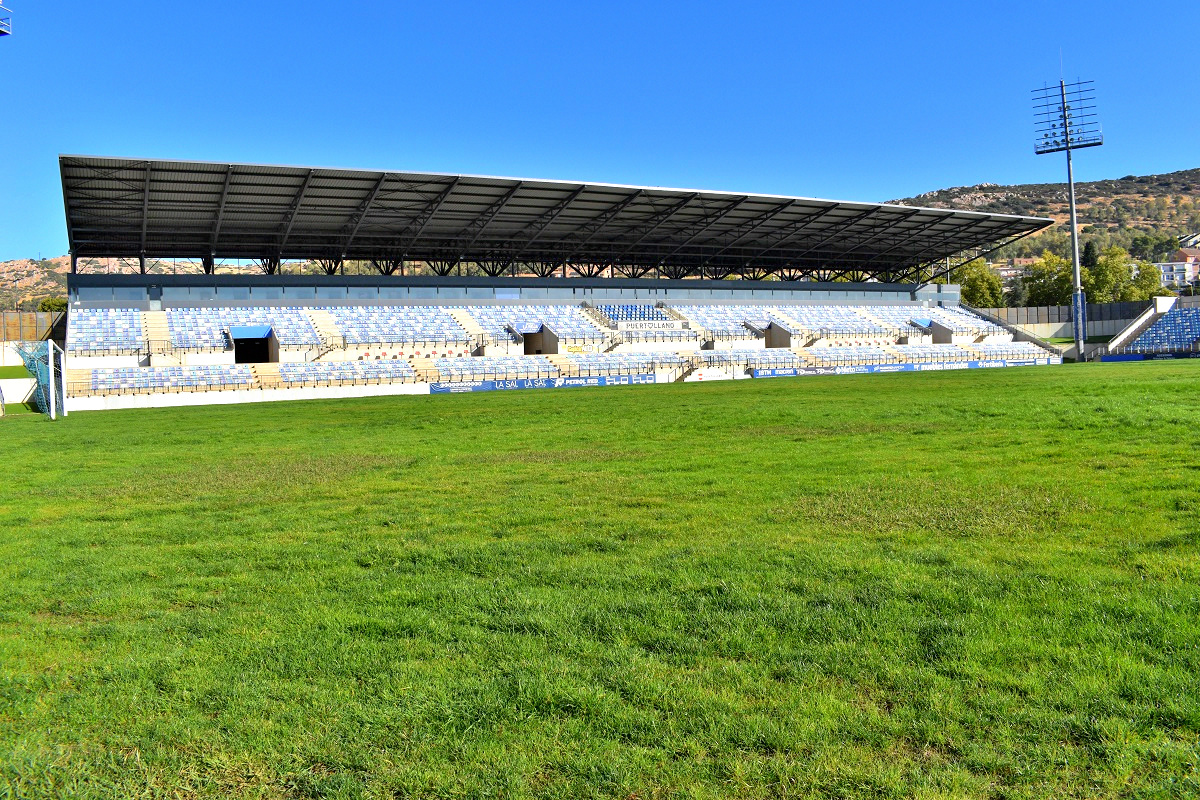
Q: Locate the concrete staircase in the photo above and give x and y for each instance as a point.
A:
(424, 369)
(469, 325)
(156, 331)
(266, 375)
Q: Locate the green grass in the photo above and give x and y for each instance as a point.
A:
(14, 372)
(979, 584)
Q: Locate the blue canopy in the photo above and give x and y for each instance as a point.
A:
(250, 332)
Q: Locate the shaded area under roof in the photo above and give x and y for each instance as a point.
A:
(119, 207)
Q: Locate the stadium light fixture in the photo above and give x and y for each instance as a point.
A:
(5, 21)
(1065, 119)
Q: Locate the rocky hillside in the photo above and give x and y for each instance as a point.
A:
(1149, 201)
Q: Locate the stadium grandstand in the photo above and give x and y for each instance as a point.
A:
(582, 285)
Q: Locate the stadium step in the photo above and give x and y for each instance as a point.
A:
(601, 319)
(327, 329)
(156, 331)
(266, 375)
(468, 323)
(425, 370)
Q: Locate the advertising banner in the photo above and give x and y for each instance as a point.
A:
(454, 387)
(873, 369)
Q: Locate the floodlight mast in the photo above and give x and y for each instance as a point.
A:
(1065, 120)
(5, 21)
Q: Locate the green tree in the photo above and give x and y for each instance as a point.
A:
(1109, 279)
(1091, 254)
(1017, 294)
(1146, 283)
(53, 304)
(981, 286)
(1049, 281)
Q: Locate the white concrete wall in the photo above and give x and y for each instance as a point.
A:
(96, 362)
(174, 399)
(739, 344)
(657, 347)
(17, 390)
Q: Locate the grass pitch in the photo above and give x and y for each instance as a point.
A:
(976, 584)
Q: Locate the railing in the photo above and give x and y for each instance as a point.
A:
(1019, 335)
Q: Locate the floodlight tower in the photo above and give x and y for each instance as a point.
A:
(1064, 120)
(5, 21)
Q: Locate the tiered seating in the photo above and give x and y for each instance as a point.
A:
(165, 379)
(826, 356)
(726, 322)
(488, 367)
(629, 312)
(346, 371)
(925, 353)
(959, 320)
(390, 324)
(1011, 350)
(767, 358)
(568, 322)
(1176, 331)
(833, 321)
(93, 330)
(623, 363)
(206, 328)
(901, 316)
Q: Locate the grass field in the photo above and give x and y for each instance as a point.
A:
(978, 584)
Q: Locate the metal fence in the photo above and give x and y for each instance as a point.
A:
(1049, 315)
(27, 326)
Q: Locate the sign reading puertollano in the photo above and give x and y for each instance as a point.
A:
(650, 325)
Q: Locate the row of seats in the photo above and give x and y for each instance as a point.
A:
(1177, 331)
(206, 328)
(568, 322)
(346, 371)
(495, 367)
(92, 330)
(629, 312)
(116, 379)
(623, 363)
(389, 324)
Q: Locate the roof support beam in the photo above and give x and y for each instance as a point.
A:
(656, 222)
(704, 225)
(422, 219)
(790, 231)
(216, 232)
(545, 221)
(748, 228)
(361, 213)
(145, 219)
(291, 217)
(483, 220)
(600, 222)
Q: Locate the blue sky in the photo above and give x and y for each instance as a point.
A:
(855, 101)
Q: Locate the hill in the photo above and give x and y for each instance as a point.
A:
(1115, 211)
(879, 586)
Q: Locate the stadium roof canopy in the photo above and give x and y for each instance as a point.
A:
(120, 207)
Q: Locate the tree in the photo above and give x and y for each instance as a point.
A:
(981, 286)
(1049, 281)
(53, 304)
(1110, 278)
(1091, 254)
(1146, 283)
(1017, 294)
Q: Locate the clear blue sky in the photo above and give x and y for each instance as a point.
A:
(855, 101)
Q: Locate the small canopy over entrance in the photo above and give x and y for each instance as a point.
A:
(253, 344)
